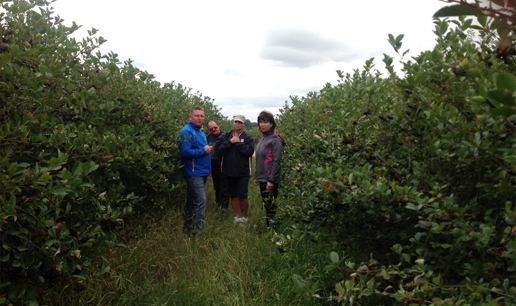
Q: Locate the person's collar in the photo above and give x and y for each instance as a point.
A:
(195, 126)
(269, 132)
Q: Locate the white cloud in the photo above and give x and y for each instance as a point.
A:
(251, 56)
(302, 48)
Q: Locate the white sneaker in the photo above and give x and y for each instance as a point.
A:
(237, 219)
(244, 219)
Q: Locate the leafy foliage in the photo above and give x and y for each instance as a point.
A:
(85, 141)
(415, 173)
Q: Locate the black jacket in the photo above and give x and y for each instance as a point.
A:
(236, 157)
(212, 141)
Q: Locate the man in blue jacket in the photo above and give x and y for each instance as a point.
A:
(195, 156)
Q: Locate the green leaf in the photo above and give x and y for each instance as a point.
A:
(315, 288)
(436, 280)
(397, 248)
(66, 174)
(436, 55)
(510, 158)
(383, 273)
(112, 67)
(443, 27)
(457, 10)
(501, 96)
(62, 193)
(32, 303)
(413, 207)
(503, 111)
(24, 72)
(420, 77)
(43, 69)
(339, 289)
(391, 39)
(334, 257)
(6, 57)
(54, 162)
(16, 292)
(78, 276)
(15, 50)
(5, 257)
(478, 99)
(298, 280)
(505, 81)
(87, 168)
(5, 284)
(104, 267)
(45, 178)
(493, 303)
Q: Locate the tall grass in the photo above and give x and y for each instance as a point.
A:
(229, 264)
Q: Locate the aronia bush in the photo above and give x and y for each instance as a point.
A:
(412, 174)
(85, 140)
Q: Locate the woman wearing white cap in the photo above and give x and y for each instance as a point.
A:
(236, 149)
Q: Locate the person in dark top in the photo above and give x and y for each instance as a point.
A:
(220, 184)
(236, 149)
(268, 160)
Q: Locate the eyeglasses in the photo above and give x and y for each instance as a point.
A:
(213, 128)
(238, 122)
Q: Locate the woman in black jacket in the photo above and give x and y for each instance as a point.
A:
(236, 149)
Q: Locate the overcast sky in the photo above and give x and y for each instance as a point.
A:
(250, 56)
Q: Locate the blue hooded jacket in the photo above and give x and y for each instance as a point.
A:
(196, 162)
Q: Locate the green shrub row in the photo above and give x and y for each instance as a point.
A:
(85, 141)
(412, 174)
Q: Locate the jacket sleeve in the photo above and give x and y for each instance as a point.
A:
(223, 144)
(276, 149)
(246, 148)
(187, 146)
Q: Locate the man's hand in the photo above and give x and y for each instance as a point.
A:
(255, 182)
(208, 149)
(269, 186)
(235, 139)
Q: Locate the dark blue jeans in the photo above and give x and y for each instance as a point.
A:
(194, 217)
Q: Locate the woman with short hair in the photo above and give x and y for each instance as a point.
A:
(268, 160)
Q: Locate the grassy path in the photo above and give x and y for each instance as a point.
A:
(229, 264)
